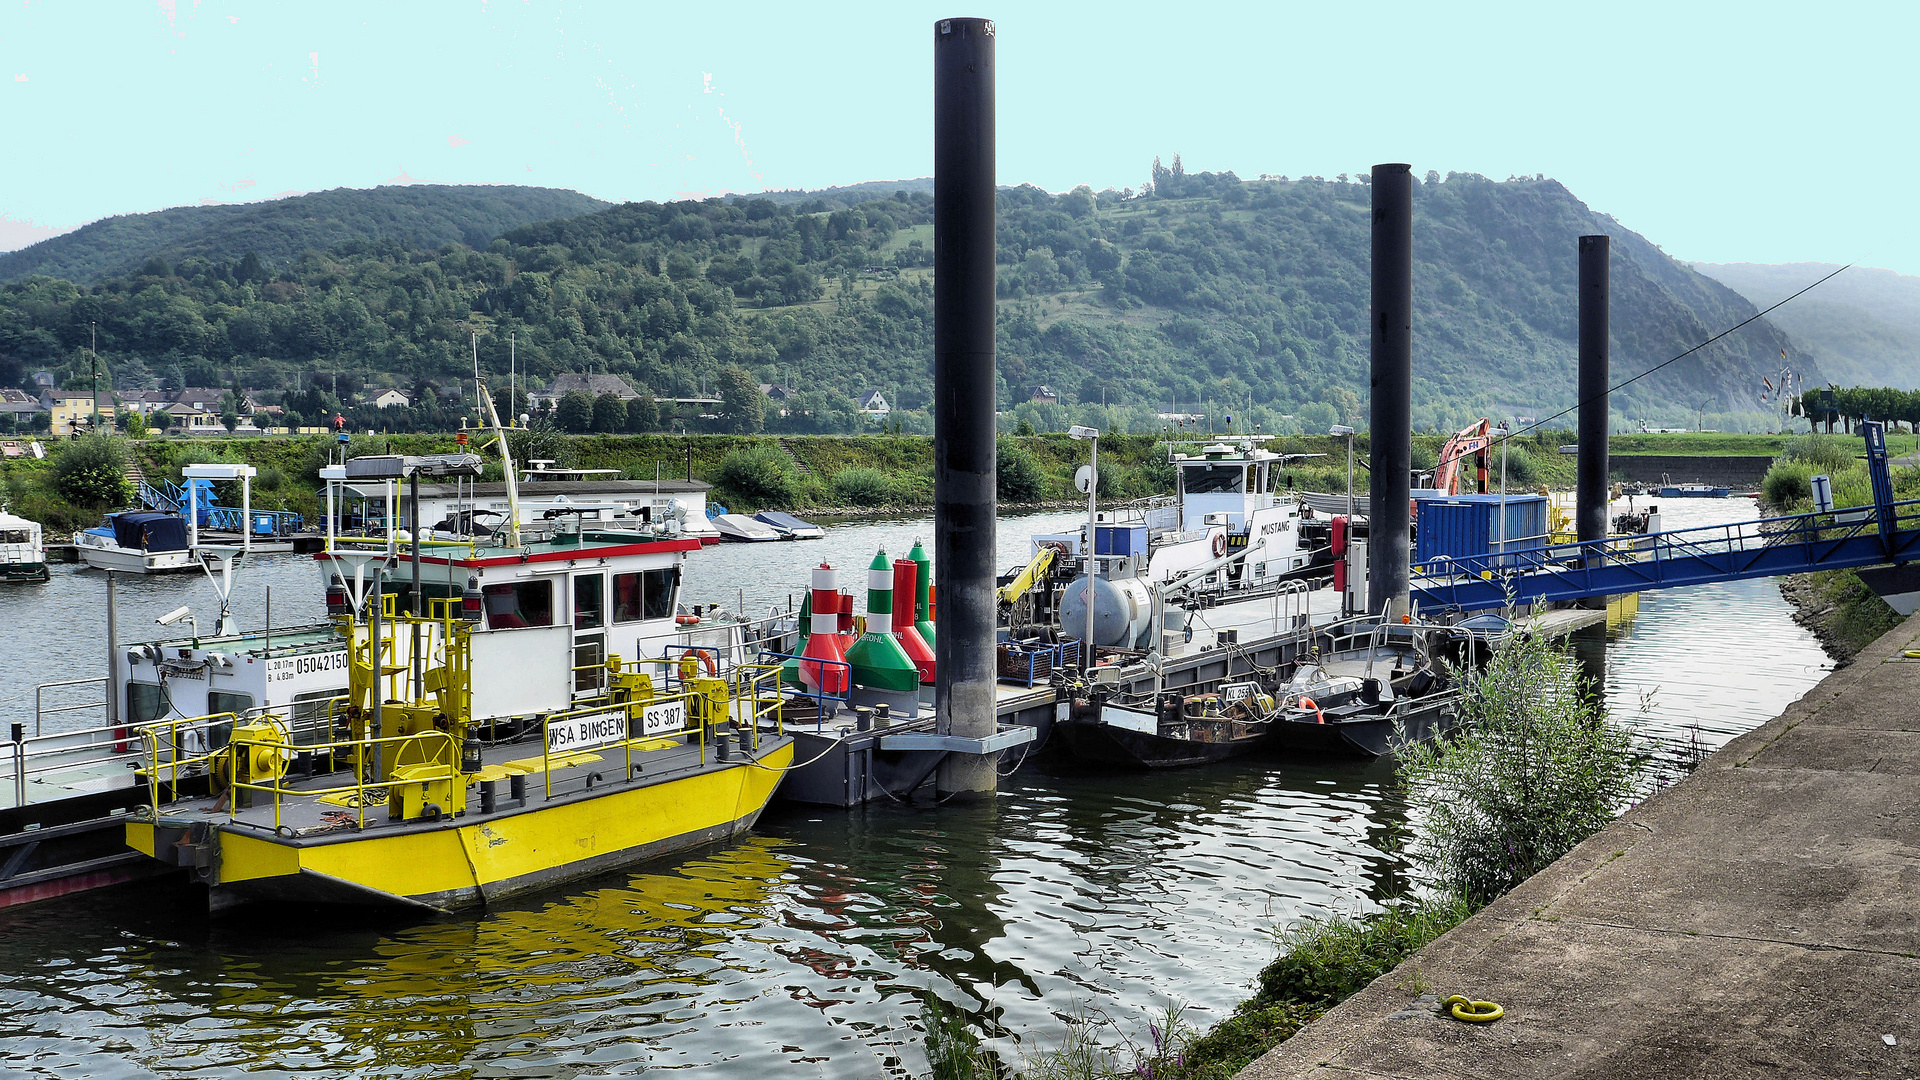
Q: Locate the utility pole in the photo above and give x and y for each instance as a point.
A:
(93, 358)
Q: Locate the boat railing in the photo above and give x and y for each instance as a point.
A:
(98, 754)
(824, 701)
(41, 711)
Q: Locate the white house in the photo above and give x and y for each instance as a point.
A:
(391, 399)
(872, 402)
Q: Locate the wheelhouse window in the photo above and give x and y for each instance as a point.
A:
(589, 601)
(1209, 479)
(643, 594)
(518, 603)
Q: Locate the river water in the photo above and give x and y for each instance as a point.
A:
(812, 948)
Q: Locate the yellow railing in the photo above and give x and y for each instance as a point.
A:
(359, 787)
(169, 731)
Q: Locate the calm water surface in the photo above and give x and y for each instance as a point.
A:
(812, 948)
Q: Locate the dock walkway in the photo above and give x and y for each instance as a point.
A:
(1761, 918)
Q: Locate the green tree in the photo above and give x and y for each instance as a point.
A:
(742, 406)
(643, 414)
(609, 413)
(574, 413)
(91, 470)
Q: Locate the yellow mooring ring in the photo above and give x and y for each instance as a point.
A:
(1473, 1012)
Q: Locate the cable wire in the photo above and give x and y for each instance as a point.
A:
(1754, 318)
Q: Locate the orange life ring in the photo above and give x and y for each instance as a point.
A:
(1219, 544)
(686, 620)
(688, 658)
(1308, 703)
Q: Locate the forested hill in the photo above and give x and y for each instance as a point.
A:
(1863, 326)
(279, 231)
(1208, 289)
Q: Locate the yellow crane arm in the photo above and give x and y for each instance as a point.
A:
(1015, 589)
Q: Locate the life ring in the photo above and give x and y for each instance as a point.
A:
(706, 657)
(1308, 703)
(686, 620)
(1219, 544)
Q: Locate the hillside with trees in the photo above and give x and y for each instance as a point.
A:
(1202, 294)
(279, 231)
(1863, 326)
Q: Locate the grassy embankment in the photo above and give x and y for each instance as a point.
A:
(848, 473)
(1836, 605)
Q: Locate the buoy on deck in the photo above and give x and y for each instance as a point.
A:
(906, 575)
(877, 658)
(923, 592)
(824, 643)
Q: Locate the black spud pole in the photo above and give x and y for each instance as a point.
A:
(964, 501)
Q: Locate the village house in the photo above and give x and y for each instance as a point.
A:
(391, 399)
(872, 402)
(73, 410)
(591, 385)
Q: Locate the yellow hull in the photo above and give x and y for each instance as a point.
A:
(451, 864)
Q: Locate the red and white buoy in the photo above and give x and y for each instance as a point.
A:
(824, 643)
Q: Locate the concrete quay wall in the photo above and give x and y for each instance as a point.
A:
(1744, 471)
(1759, 919)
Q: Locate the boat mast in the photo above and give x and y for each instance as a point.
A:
(506, 452)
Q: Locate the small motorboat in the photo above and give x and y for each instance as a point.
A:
(743, 529)
(23, 557)
(1694, 491)
(788, 526)
(1365, 701)
(138, 542)
(1187, 730)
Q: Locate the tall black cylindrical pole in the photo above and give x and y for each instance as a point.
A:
(1390, 452)
(1590, 514)
(964, 499)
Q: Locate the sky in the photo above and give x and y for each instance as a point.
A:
(1750, 132)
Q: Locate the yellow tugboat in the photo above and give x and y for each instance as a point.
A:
(437, 802)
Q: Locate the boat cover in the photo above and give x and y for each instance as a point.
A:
(150, 531)
(782, 520)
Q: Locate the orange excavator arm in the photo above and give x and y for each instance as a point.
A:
(1474, 439)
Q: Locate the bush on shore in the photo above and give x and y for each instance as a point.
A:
(861, 486)
(757, 477)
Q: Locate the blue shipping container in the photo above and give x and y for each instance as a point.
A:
(1474, 527)
(1121, 540)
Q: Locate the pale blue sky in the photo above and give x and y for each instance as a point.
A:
(1724, 132)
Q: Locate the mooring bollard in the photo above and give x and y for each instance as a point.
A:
(486, 796)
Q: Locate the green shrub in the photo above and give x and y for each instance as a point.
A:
(91, 470)
(863, 487)
(1535, 768)
(1521, 468)
(1019, 480)
(1824, 453)
(1324, 961)
(757, 476)
(1788, 484)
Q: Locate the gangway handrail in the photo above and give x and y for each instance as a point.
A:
(1850, 536)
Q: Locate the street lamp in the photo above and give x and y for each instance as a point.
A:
(1091, 487)
(1336, 431)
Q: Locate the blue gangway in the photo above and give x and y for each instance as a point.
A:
(1886, 532)
(171, 498)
